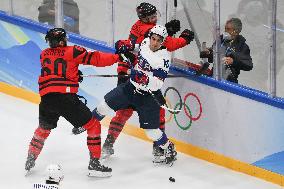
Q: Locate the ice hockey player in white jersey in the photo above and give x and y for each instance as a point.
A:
(54, 175)
(142, 92)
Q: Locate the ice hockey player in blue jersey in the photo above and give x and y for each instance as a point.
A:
(142, 92)
(54, 175)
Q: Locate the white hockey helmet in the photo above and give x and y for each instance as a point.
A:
(54, 173)
(159, 30)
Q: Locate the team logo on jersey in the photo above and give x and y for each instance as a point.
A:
(144, 64)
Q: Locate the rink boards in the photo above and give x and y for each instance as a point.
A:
(229, 125)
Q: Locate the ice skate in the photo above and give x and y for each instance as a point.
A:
(168, 157)
(170, 154)
(107, 149)
(30, 163)
(158, 155)
(96, 169)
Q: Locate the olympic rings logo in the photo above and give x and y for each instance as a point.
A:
(182, 104)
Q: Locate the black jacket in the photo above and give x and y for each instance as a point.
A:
(239, 51)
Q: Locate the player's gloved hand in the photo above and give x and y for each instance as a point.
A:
(122, 78)
(127, 57)
(78, 130)
(188, 35)
(173, 27)
(80, 75)
(122, 46)
(139, 77)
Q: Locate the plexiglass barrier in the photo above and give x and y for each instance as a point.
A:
(5, 5)
(111, 20)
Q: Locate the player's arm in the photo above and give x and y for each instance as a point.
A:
(95, 58)
(156, 81)
(153, 82)
(172, 43)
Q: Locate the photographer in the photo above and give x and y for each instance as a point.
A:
(235, 53)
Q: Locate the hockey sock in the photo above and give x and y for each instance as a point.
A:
(37, 141)
(162, 141)
(118, 121)
(93, 128)
(162, 119)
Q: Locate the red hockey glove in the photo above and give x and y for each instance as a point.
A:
(122, 46)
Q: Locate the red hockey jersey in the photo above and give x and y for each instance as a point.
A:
(59, 67)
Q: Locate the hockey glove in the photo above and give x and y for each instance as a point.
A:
(122, 78)
(130, 58)
(187, 35)
(139, 77)
(80, 76)
(122, 46)
(173, 27)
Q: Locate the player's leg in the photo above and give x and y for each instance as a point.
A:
(47, 121)
(80, 116)
(149, 118)
(115, 100)
(116, 125)
(157, 151)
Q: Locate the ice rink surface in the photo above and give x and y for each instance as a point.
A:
(131, 164)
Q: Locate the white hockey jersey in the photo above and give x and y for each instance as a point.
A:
(45, 186)
(153, 64)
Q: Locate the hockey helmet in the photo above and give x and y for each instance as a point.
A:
(145, 9)
(54, 36)
(54, 173)
(159, 30)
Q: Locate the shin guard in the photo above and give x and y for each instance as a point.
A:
(37, 142)
(162, 119)
(93, 128)
(118, 121)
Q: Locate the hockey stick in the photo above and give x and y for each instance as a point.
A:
(196, 38)
(173, 111)
(106, 75)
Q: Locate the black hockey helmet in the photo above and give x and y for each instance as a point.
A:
(145, 9)
(54, 36)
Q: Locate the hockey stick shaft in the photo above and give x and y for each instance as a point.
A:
(106, 75)
(157, 101)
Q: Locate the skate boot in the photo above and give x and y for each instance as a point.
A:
(30, 163)
(170, 154)
(96, 169)
(158, 154)
(107, 149)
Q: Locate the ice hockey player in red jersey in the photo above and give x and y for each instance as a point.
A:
(147, 14)
(58, 85)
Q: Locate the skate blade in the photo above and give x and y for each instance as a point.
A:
(167, 162)
(99, 174)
